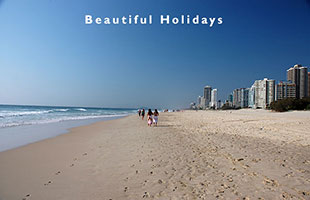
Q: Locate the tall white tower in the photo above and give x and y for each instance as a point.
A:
(213, 102)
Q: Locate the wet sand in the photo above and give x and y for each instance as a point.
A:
(245, 154)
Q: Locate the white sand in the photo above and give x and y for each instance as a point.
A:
(245, 154)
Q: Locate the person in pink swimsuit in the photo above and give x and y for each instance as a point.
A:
(149, 118)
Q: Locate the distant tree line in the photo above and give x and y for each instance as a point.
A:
(228, 107)
(290, 104)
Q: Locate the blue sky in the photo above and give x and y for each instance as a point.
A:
(48, 56)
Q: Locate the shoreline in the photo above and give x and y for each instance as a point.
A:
(45, 156)
(38, 132)
(190, 155)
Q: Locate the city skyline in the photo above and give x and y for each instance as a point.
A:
(48, 56)
(262, 92)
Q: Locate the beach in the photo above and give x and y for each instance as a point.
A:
(239, 154)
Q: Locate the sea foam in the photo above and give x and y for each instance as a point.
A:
(20, 125)
(11, 116)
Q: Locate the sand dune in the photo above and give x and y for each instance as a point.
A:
(245, 154)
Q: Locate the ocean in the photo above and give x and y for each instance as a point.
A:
(21, 125)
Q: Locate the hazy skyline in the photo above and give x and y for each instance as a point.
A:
(48, 56)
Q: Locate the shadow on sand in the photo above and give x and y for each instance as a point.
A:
(164, 125)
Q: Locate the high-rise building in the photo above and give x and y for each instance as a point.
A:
(230, 98)
(199, 101)
(285, 90)
(299, 76)
(207, 95)
(241, 98)
(213, 103)
(252, 96)
(219, 104)
(202, 103)
(264, 92)
(244, 100)
(229, 101)
(237, 98)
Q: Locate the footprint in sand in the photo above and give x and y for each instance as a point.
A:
(145, 195)
(85, 154)
(239, 159)
(57, 173)
(270, 182)
(304, 193)
(49, 182)
(160, 181)
(26, 197)
(286, 195)
(72, 165)
(289, 174)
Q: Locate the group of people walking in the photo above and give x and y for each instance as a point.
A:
(152, 118)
